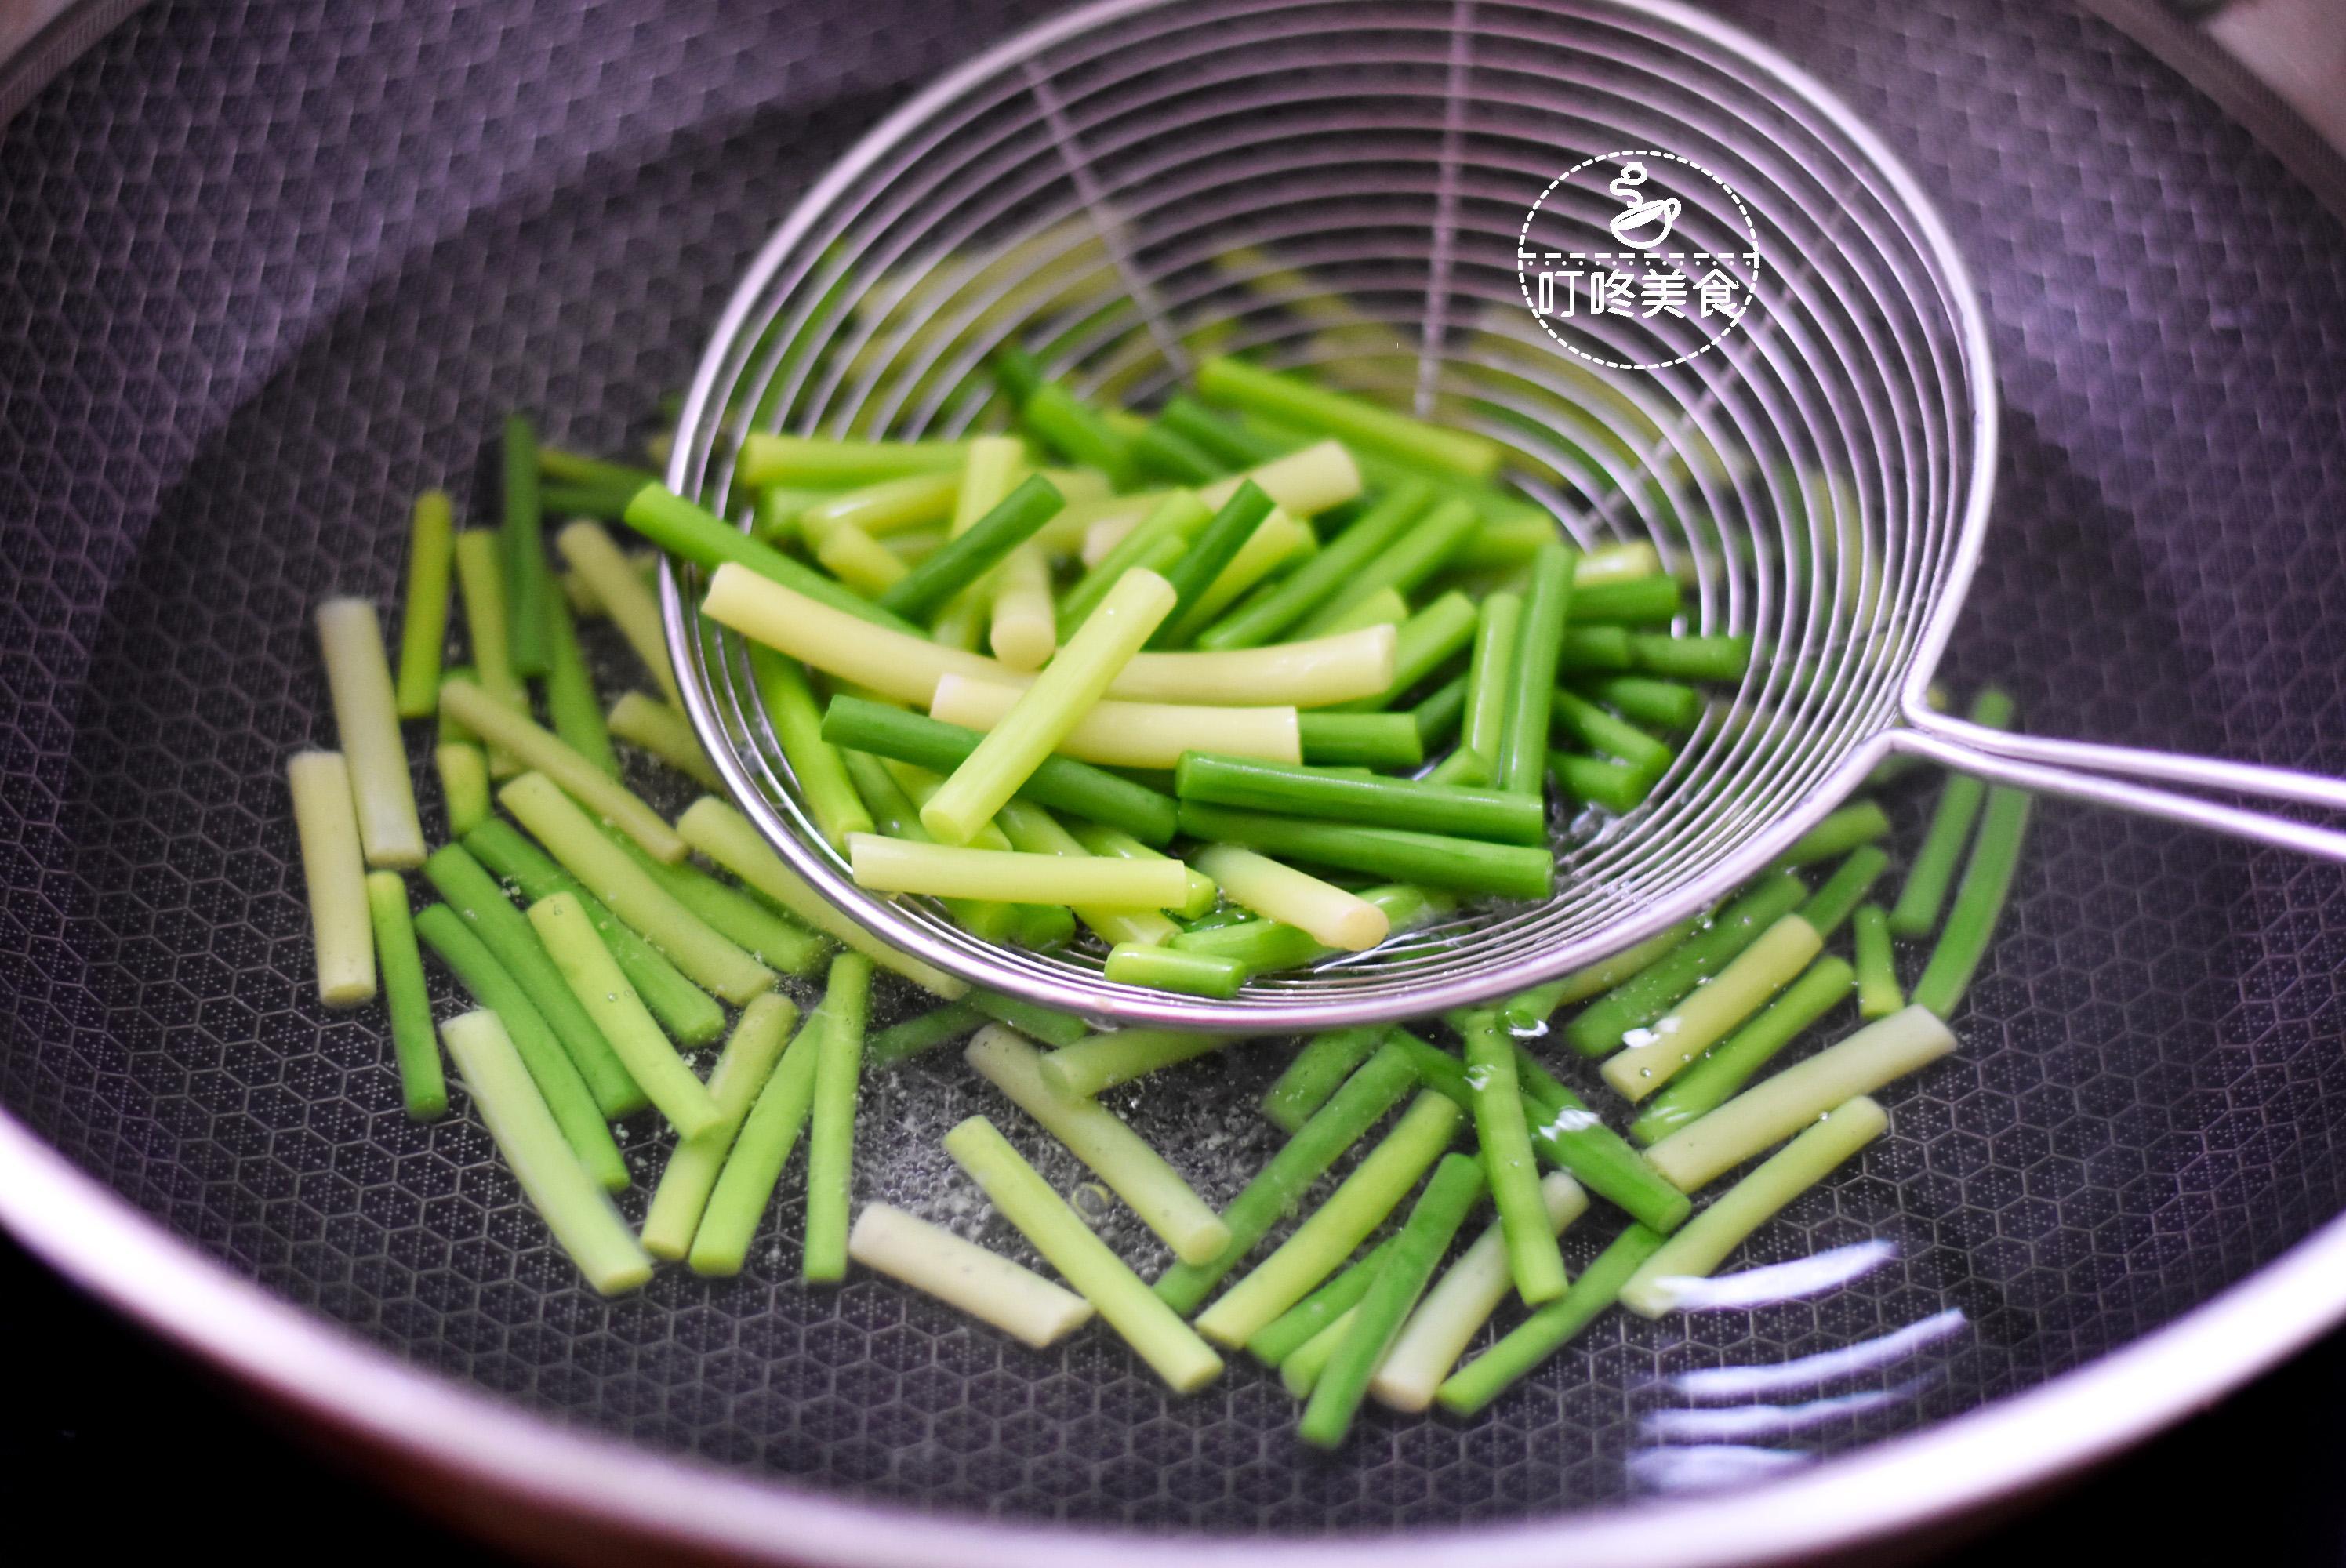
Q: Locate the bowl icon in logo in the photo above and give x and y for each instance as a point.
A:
(1643, 223)
(1620, 283)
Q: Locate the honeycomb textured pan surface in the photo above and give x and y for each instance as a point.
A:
(266, 270)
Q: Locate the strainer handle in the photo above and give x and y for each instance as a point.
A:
(2082, 770)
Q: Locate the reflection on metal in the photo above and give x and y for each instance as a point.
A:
(1813, 1372)
(1709, 1467)
(1721, 1424)
(1775, 1282)
(1703, 1447)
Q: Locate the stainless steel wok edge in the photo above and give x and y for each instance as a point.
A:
(517, 1468)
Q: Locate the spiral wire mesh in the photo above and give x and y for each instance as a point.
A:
(1343, 189)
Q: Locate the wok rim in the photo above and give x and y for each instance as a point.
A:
(2003, 1450)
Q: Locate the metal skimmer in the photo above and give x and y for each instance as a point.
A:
(1344, 187)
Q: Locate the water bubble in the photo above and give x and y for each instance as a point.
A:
(1572, 1119)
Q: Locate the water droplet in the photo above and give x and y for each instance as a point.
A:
(1572, 1119)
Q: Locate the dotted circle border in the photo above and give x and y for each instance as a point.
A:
(1522, 237)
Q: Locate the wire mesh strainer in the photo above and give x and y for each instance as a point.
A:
(357, 245)
(1345, 188)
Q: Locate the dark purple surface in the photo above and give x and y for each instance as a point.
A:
(266, 270)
